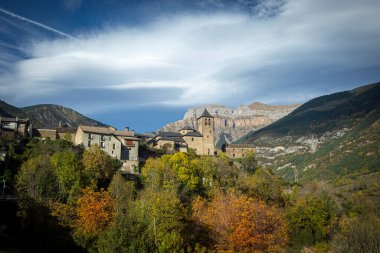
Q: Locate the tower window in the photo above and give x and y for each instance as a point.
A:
(192, 139)
(209, 122)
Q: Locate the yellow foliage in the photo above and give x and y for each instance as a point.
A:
(95, 211)
(242, 224)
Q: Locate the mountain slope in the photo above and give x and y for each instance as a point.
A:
(326, 137)
(9, 111)
(52, 115)
(47, 116)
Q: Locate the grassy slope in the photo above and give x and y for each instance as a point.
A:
(356, 152)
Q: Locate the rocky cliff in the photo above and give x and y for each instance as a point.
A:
(232, 123)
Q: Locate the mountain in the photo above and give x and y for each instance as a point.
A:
(47, 116)
(325, 137)
(233, 123)
(10, 111)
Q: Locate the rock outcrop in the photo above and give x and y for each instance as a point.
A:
(233, 123)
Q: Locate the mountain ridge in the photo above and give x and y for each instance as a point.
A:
(48, 115)
(326, 136)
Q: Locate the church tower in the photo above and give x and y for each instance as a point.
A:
(206, 128)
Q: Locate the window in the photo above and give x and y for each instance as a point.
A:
(208, 152)
(209, 122)
(206, 122)
(233, 155)
(89, 143)
(102, 145)
(242, 150)
(210, 131)
(90, 136)
(113, 147)
(192, 139)
(103, 138)
(242, 155)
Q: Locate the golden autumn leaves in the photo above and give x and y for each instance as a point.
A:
(242, 224)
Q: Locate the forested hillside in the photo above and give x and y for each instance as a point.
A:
(74, 200)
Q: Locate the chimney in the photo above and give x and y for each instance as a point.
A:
(126, 128)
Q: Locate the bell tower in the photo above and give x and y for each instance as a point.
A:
(206, 128)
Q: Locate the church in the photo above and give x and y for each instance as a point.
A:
(201, 139)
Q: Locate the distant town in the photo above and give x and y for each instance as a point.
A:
(124, 144)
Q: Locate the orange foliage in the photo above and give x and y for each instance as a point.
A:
(242, 224)
(95, 211)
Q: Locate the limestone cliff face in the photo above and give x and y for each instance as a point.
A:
(233, 123)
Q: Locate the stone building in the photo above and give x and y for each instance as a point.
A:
(201, 140)
(66, 133)
(123, 145)
(239, 150)
(15, 128)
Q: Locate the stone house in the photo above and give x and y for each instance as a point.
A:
(239, 150)
(201, 140)
(15, 128)
(123, 145)
(67, 133)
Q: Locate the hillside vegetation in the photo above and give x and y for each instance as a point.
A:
(326, 138)
(74, 200)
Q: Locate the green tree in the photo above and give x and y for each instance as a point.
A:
(311, 219)
(249, 163)
(37, 180)
(68, 169)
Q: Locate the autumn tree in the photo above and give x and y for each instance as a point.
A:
(242, 224)
(95, 211)
(99, 167)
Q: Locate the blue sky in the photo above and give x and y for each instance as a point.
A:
(143, 63)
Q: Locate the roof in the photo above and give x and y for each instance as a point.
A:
(195, 134)
(171, 138)
(105, 130)
(4, 119)
(205, 114)
(240, 146)
(187, 128)
(66, 130)
(169, 134)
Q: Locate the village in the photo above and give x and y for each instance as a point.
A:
(124, 144)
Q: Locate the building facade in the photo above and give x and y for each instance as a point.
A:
(201, 140)
(123, 145)
(239, 150)
(15, 128)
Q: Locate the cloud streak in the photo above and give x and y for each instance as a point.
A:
(188, 59)
(45, 27)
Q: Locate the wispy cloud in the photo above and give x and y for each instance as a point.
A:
(45, 27)
(308, 47)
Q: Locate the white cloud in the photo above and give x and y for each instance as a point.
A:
(214, 58)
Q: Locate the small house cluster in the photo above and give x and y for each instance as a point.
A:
(124, 144)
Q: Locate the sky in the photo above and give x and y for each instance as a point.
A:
(142, 64)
